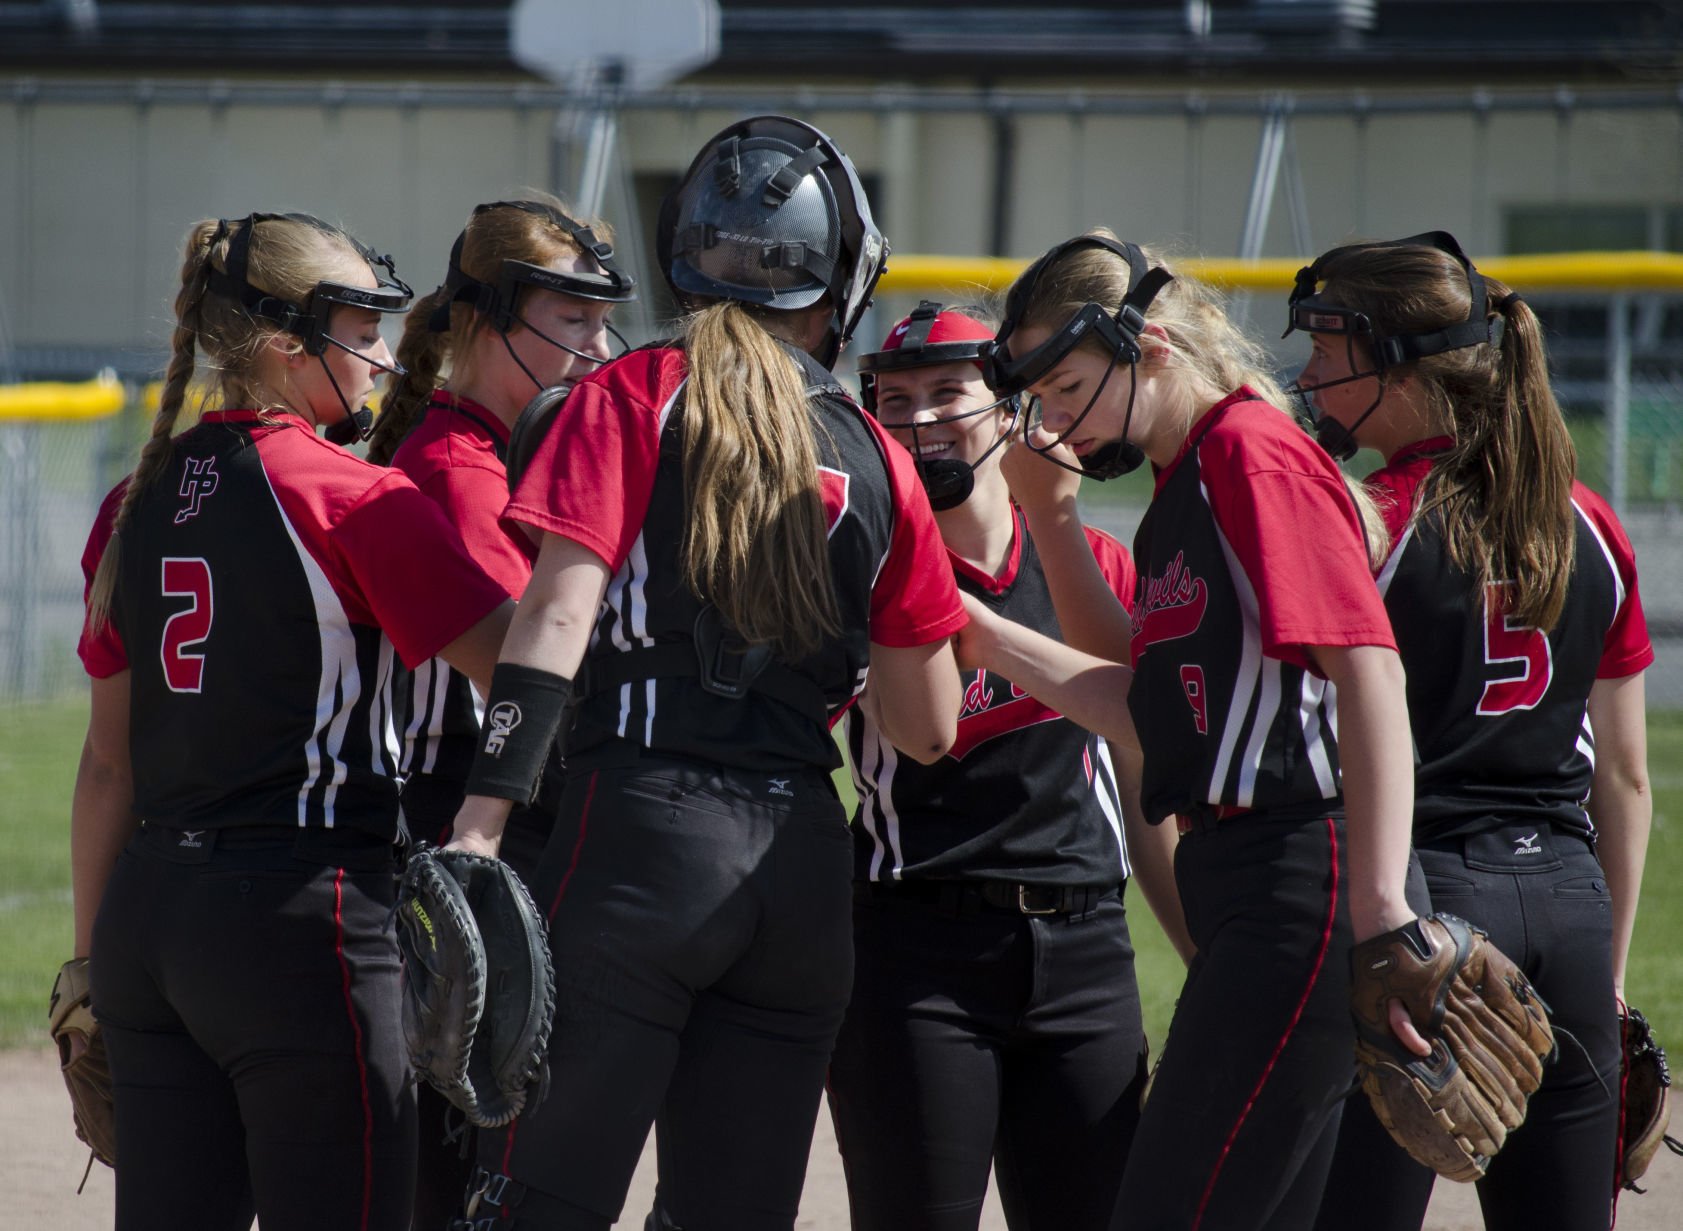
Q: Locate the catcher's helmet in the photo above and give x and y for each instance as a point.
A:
(771, 212)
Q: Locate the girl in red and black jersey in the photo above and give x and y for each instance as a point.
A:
(524, 306)
(1254, 603)
(995, 1017)
(1513, 592)
(729, 546)
(250, 587)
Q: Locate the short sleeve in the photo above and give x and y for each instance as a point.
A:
(915, 599)
(103, 653)
(1627, 648)
(1288, 519)
(412, 569)
(591, 478)
(473, 498)
(1116, 565)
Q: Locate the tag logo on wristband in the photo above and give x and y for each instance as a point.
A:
(505, 716)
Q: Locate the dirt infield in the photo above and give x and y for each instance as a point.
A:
(41, 1163)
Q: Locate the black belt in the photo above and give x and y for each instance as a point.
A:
(962, 897)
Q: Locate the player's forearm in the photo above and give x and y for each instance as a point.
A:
(1091, 617)
(1377, 771)
(1151, 855)
(1621, 802)
(101, 822)
(1091, 692)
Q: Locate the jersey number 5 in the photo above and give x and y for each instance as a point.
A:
(1523, 654)
(186, 577)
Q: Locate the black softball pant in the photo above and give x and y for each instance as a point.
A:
(978, 1036)
(700, 926)
(246, 982)
(1543, 899)
(1239, 1126)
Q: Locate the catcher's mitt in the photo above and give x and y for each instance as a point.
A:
(87, 1076)
(1489, 1032)
(479, 989)
(1645, 1104)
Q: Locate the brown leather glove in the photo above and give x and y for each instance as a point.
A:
(1489, 1033)
(87, 1074)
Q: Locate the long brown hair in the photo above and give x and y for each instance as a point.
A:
(286, 258)
(756, 545)
(1503, 493)
(491, 237)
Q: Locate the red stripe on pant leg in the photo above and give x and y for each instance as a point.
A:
(578, 846)
(361, 1056)
(1297, 1016)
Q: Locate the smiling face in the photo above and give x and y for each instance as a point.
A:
(941, 399)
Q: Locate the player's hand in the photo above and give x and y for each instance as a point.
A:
(1041, 488)
(478, 828)
(975, 644)
(1403, 1027)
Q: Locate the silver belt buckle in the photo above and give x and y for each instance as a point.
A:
(1024, 908)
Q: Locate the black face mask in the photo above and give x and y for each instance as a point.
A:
(948, 481)
(1118, 330)
(1311, 313)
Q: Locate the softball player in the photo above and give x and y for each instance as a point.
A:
(1254, 602)
(524, 305)
(729, 544)
(249, 586)
(1513, 592)
(995, 1016)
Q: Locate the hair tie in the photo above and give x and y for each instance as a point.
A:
(1507, 301)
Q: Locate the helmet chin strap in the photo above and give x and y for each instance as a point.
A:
(358, 424)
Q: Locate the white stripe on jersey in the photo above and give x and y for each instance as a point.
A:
(426, 699)
(382, 734)
(874, 783)
(338, 673)
(1607, 555)
(1389, 572)
(1110, 800)
(1315, 694)
(1247, 679)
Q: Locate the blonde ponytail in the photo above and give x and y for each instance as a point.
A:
(756, 545)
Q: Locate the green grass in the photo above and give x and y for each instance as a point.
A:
(39, 745)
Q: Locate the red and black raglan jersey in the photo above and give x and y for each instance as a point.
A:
(1024, 794)
(265, 579)
(609, 476)
(1499, 711)
(1250, 553)
(455, 455)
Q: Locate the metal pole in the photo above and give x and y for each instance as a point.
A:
(1618, 399)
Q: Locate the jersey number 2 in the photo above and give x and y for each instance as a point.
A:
(186, 577)
(1523, 653)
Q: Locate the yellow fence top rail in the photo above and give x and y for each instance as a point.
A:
(1607, 272)
(1562, 271)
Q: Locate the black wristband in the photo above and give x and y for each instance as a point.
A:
(522, 715)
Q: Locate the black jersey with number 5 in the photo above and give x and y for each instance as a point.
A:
(1250, 553)
(1498, 710)
(265, 579)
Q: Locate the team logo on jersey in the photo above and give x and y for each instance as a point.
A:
(1528, 845)
(1170, 605)
(198, 481)
(981, 720)
(505, 716)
